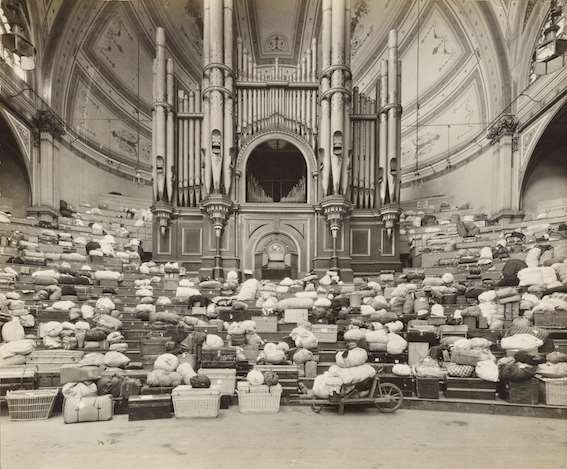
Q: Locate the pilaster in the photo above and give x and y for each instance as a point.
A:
(502, 136)
(48, 129)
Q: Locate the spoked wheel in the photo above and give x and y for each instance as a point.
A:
(391, 398)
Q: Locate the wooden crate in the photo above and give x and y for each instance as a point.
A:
(427, 388)
(470, 388)
(524, 392)
(405, 383)
(17, 378)
(149, 407)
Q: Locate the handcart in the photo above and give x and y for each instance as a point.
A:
(386, 397)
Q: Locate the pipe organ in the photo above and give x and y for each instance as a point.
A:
(351, 144)
(277, 98)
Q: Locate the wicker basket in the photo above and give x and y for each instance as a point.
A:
(224, 379)
(554, 391)
(266, 402)
(31, 405)
(325, 333)
(195, 402)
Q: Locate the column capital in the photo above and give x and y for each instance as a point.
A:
(49, 122)
(506, 125)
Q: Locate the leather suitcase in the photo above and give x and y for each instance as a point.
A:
(88, 409)
(77, 374)
(149, 407)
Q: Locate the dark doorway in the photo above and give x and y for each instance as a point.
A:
(276, 172)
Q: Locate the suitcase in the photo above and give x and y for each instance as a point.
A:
(77, 374)
(16, 378)
(149, 407)
(88, 409)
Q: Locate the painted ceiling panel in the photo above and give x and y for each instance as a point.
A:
(94, 120)
(273, 29)
(456, 123)
(276, 24)
(186, 17)
(440, 51)
(119, 48)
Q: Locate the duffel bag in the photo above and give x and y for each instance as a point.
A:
(87, 409)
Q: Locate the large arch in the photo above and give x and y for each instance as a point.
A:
(543, 174)
(15, 177)
(295, 140)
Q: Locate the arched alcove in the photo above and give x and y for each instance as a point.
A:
(544, 181)
(276, 172)
(275, 257)
(15, 189)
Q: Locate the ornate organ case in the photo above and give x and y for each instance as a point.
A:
(203, 138)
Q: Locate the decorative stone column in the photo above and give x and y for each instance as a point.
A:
(503, 138)
(218, 208)
(335, 209)
(48, 129)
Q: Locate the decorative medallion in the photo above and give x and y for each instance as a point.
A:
(277, 43)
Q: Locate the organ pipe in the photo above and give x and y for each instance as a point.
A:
(383, 143)
(216, 98)
(337, 98)
(189, 150)
(393, 120)
(228, 105)
(205, 131)
(325, 124)
(160, 113)
(197, 147)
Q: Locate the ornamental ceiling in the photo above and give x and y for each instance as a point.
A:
(457, 57)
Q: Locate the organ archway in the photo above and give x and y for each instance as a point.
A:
(15, 187)
(276, 172)
(290, 142)
(544, 181)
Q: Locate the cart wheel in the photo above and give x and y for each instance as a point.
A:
(393, 397)
(316, 408)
